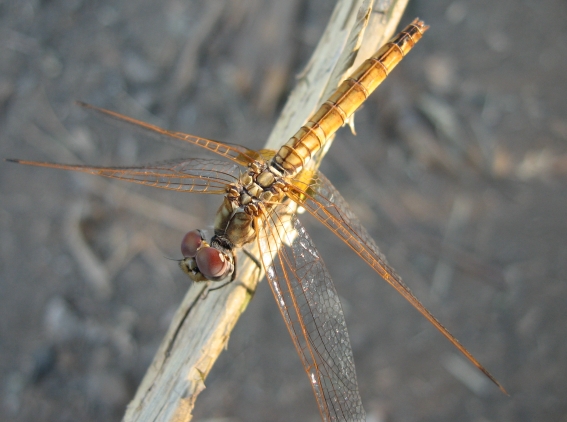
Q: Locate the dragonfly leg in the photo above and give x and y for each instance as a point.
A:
(253, 258)
(206, 290)
(212, 289)
(234, 266)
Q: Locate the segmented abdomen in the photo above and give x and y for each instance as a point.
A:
(334, 113)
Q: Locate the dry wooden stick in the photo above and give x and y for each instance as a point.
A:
(200, 328)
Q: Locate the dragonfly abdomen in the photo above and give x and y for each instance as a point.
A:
(350, 94)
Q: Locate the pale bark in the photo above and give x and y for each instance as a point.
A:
(201, 326)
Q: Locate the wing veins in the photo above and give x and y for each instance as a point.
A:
(342, 221)
(207, 176)
(234, 152)
(336, 391)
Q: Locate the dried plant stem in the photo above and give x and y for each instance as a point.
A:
(200, 328)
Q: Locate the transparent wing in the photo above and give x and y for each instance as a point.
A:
(313, 314)
(199, 175)
(317, 195)
(236, 153)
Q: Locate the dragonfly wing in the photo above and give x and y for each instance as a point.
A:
(318, 196)
(312, 312)
(199, 175)
(236, 153)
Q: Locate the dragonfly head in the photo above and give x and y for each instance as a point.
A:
(202, 262)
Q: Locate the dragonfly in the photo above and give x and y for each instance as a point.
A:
(262, 191)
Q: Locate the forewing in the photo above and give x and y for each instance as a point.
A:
(236, 153)
(199, 175)
(318, 196)
(312, 312)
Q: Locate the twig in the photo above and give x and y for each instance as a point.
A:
(94, 270)
(200, 328)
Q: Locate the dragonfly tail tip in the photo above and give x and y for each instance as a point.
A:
(420, 24)
(82, 104)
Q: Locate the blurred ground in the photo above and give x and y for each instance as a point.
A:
(460, 175)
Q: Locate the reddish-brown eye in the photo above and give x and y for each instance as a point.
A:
(190, 243)
(212, 263)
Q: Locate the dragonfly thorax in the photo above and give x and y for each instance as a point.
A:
(253, 194)
(256, 190)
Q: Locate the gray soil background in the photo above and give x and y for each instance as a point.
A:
(458, 170)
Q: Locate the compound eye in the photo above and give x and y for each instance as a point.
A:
(212, 263)
(191, 242)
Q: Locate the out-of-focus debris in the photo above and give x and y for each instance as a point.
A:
(529, 325)
(449, 128)
(6, 91)
(108, 15)
(186, 66)
(536, 164)
(531, 100)
(51, 65)
(155, 259)
(63, 324)
(145, 206)
(80, 139)
(441, 115)
(464, 261)
(13, 385)
(541, 164)
(444, 270)
(497, 41)
(502, 162)
(108, 389)
(93, 268)
(138, 70)
(440, 71)
(417, 134)
(17, 41)
(123, 247)
(559, 128)
(456, 12)
(43, 362)
(277, 31)
(377, 413)
(467, 374)
(364, 181)
(422, 142)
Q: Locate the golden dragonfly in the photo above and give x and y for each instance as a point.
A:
(259, 205)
